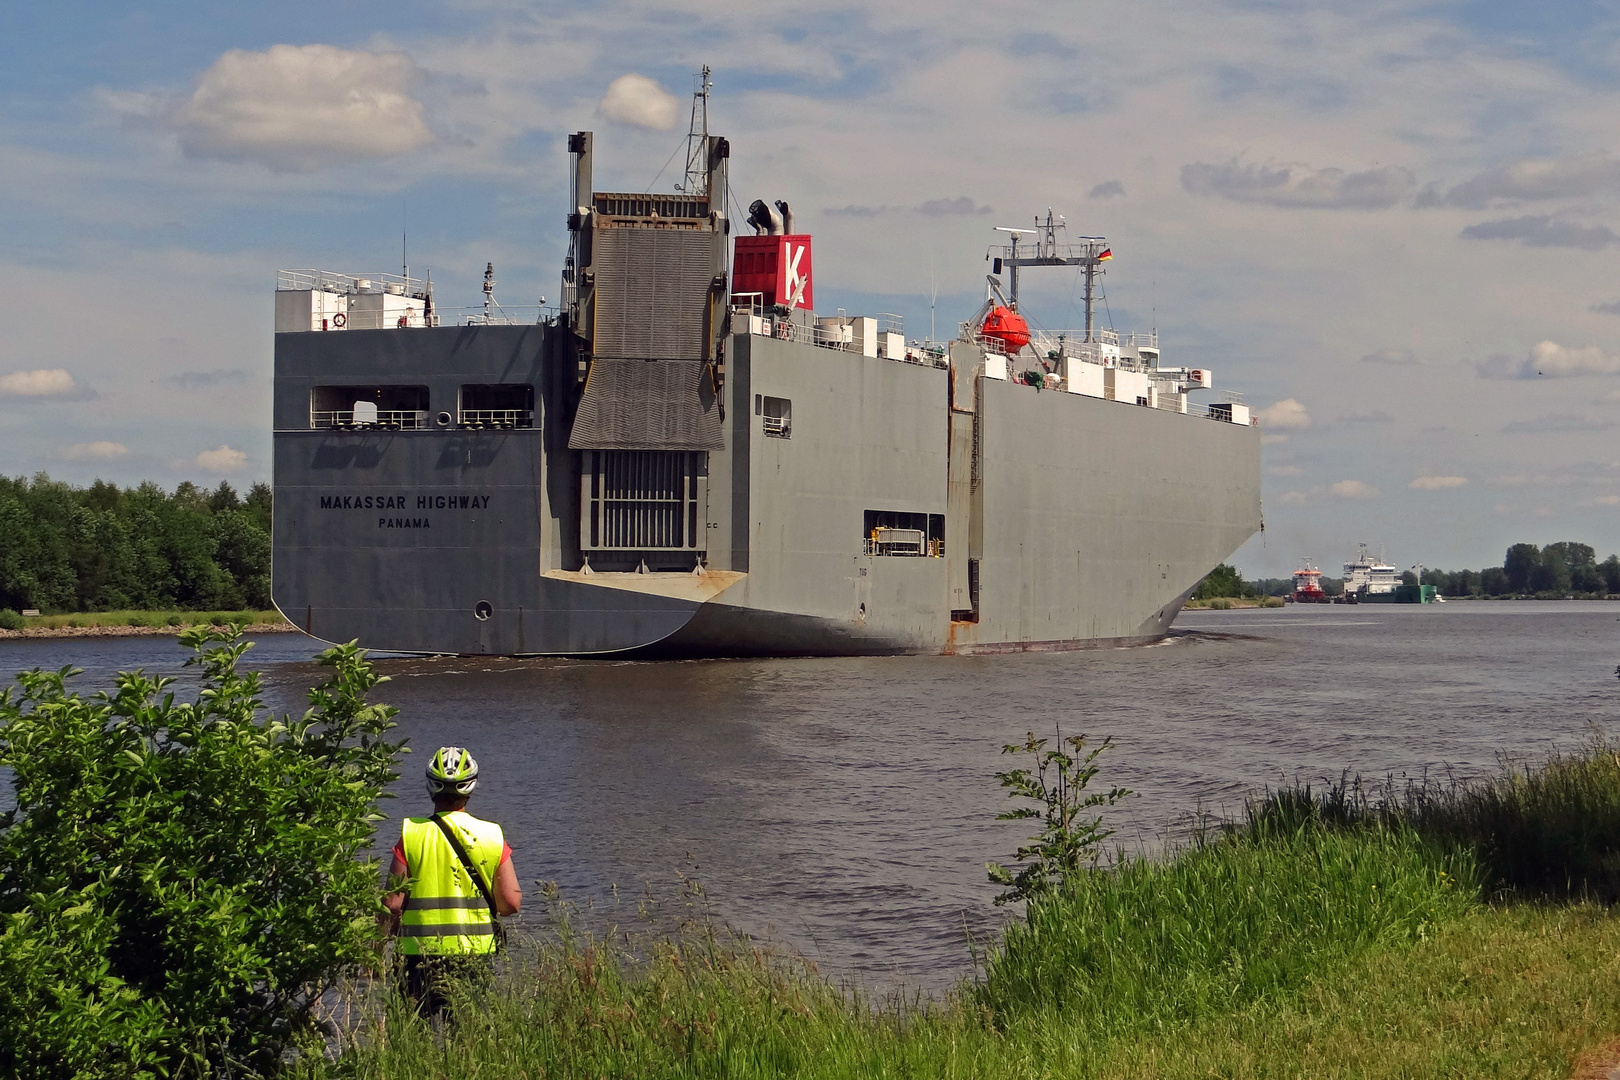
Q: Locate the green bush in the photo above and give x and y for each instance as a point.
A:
(137, 620)
(10, 620)
(180, 881)
(174, 620)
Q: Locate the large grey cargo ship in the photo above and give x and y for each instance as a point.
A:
(685, 460)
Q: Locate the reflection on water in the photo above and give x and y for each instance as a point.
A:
(848, 805)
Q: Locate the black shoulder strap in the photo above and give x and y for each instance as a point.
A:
(472, 870)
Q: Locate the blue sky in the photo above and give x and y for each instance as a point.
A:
(1394, 227)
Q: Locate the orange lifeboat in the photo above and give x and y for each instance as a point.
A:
(1007, 328)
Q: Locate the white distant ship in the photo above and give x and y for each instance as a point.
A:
(1369, 581)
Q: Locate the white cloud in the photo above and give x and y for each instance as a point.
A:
(223, 460)
(296, 108)
(1293, 498)
(1300, 186)
(94, 451)
(1352, 489)
(1437, 483)
(636, 99)
(1287, 413)
(1604, 500)
(41, 382)
(1553, 360)
(1285, 470)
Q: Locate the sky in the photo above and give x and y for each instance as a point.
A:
(1394, 228)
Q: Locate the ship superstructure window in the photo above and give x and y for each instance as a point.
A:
(404, 407)
(643, 500)
(899, 532)
(778, 414)
(500, 405)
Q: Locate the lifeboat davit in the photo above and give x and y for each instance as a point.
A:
(1008, 328)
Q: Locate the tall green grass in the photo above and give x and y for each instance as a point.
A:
(1228, 922)
(1548, 830)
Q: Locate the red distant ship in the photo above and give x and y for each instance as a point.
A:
(1308, 585)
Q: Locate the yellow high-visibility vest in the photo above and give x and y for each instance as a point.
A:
(444, 911)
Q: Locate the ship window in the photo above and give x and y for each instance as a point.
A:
(500, 405)
(778, 418)
(900, 532)
(368, 407)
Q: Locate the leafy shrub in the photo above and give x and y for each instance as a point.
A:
(10, 620)
(179, 883)
(1069, 840)
(174, 620)
(137, 620)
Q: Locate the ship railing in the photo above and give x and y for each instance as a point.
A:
(405, 320)
(498, 315)
(907, 543)
(329, 281)
(497, 418)
(779, 427)
(400, 419)
(890, 323)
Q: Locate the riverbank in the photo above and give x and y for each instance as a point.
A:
(140, 623)
(1439, 931)
(1228, 603)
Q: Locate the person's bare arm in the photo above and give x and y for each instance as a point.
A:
(508, 893)
(395, 901)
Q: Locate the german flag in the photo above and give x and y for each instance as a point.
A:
(1105, 254)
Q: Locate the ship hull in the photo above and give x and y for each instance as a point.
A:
(1066, 521)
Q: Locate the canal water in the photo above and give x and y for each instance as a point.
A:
(846, 807)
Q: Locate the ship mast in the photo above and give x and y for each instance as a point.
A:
(1049, 251)
(697, 140)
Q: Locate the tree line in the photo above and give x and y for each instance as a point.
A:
(1566, 568)
(107, 548)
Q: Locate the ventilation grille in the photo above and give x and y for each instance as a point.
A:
(643, 500)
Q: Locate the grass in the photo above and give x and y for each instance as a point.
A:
(1227, 603)
(1439, 931)
(1551, 830)
(150, 618)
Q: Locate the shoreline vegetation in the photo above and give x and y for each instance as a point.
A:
(1432, 930)
(1567, 570)
(136, 623)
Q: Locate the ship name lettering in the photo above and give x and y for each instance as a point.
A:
(452, 502)
(362, 502)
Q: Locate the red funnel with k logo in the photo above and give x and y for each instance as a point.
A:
(775, 270)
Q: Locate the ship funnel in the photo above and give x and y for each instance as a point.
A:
(787, 216)
(764, 219)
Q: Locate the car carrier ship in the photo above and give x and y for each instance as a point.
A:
(687, 460)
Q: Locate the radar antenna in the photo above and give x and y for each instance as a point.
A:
(1052, 250)
(697, 139)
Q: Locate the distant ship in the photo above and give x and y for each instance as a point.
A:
(685, 459)
(1308, 585)
(1369, 581)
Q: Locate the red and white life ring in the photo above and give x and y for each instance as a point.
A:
(339, 320)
